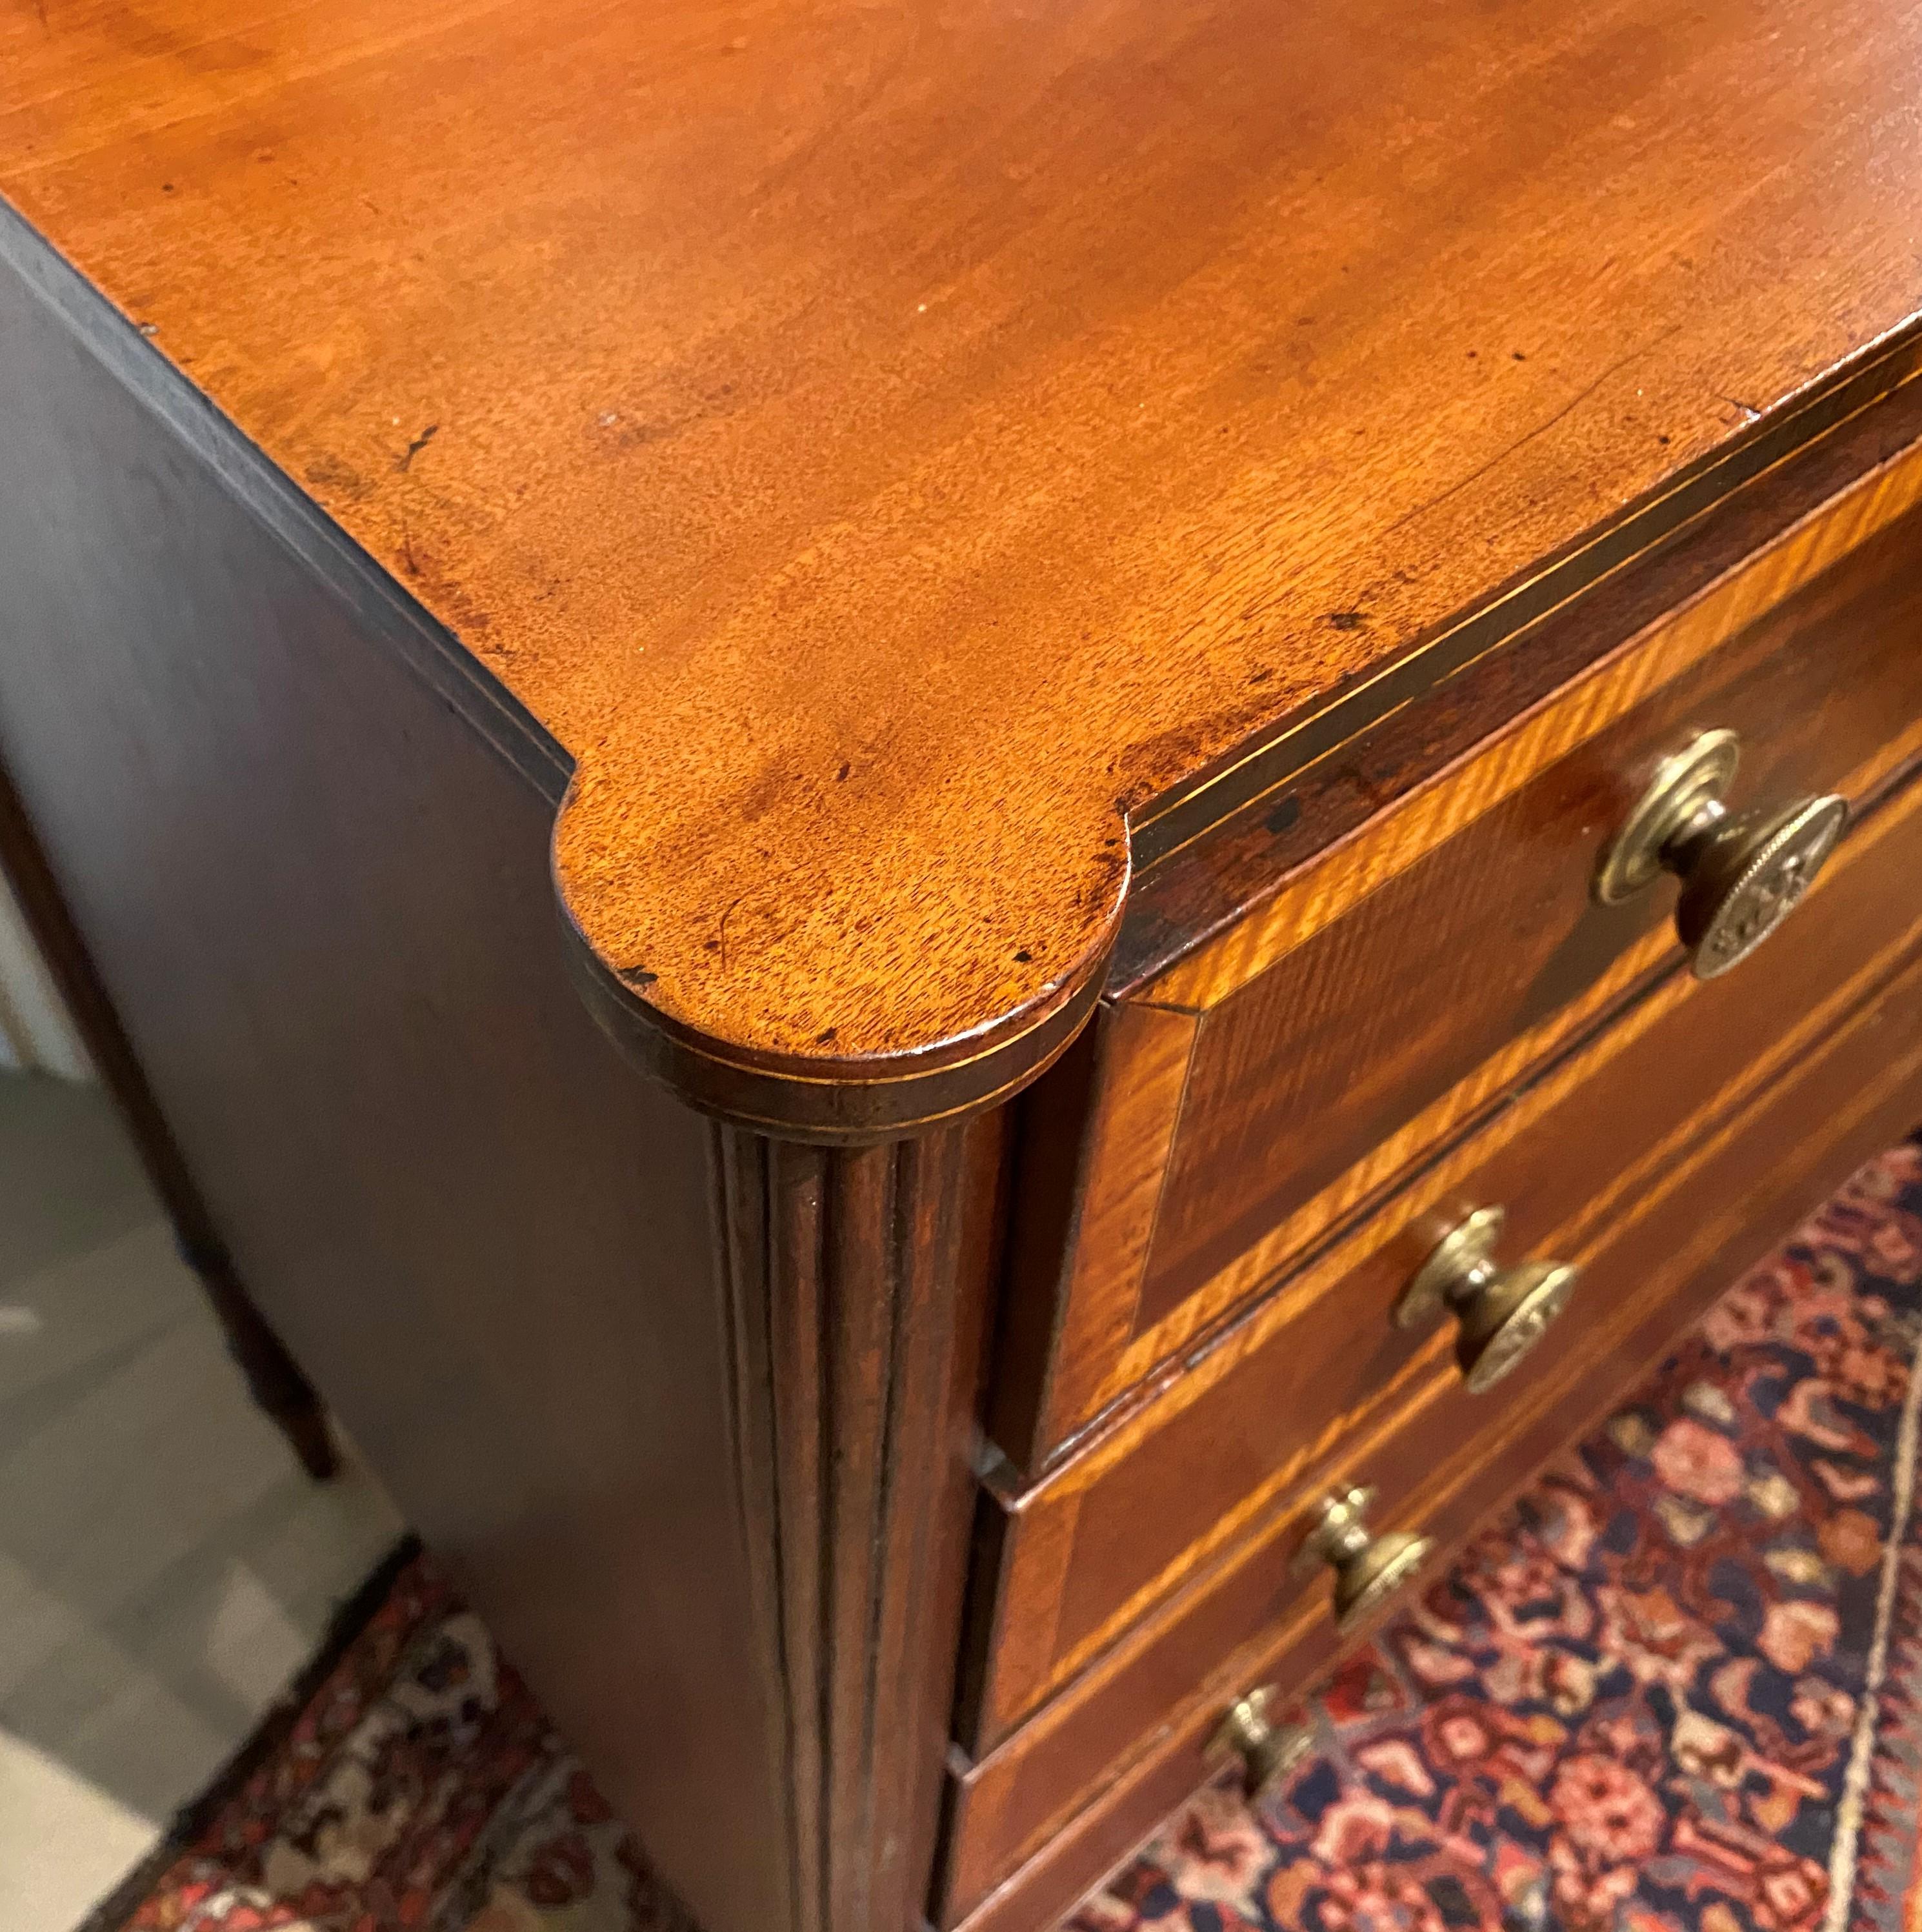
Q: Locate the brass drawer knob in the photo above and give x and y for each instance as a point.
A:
(1742, 874)
(1502, 1312)
(1368, 1569)
(1268, 1751)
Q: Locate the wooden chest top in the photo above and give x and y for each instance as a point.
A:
(889, 448)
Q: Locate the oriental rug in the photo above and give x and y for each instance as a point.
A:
(1679, 1686)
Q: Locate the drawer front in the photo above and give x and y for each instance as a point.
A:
(1039, 1819)
(1262, 1091)
(1092, 1547)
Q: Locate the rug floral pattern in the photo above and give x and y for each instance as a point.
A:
(421, 1789)
(1677, 1688)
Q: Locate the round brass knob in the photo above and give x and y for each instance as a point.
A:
(1502, 1312)
(1742, 874)
(1268, 1751)
(1368, 1569)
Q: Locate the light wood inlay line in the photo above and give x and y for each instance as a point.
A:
(1433, 815)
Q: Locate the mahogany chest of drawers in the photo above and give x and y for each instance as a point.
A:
(936, 831)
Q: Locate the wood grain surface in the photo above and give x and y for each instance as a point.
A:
(1037, 1820)
(887, 446)
(1087, 1550)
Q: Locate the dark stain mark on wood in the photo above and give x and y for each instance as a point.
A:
(1282, 815)
(419, 443)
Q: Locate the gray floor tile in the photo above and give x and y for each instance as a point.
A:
(164, 1566)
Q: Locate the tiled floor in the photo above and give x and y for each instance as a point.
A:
(164, 1565)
